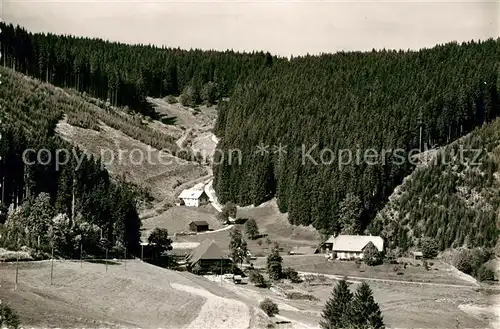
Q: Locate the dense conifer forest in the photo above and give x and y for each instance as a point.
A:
(381, 100)
(82, 197)
(125, 74)
(453, 197)
(394, 102)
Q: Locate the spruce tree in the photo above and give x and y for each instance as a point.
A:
(365, 312)
(337, 311)
(251, 229)
(274, 267)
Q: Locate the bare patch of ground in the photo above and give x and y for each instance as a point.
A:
(217, 312)
(137, 162)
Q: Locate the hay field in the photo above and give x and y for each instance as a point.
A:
(138, 295)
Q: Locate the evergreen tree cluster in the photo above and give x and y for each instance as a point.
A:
(387, 101)
(126, 74)
(83, 194)
(454, 199)
(347, 310)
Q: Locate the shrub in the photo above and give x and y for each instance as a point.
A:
(291, 274)
(485, 273)
(256, 278)
(8, 318)
(429, 248)
(189, 97)
(462, 260)
(171, 99)
(251, 229)
(371, 255)
(269, 307)
(398, 270)
(274, 264)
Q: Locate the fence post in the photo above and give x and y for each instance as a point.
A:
(52, 266)
(125, 259)
(106, 260)
(81, 255)
(17, 272)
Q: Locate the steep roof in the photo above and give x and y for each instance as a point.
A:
(199, 223)
(356, 243)
(191, 194)
(185, 245)
(206, 250)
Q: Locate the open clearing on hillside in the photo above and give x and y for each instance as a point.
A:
(271, 223)
(138, 295)
(177, 219)
(138, 162)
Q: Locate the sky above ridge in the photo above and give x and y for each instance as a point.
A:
(281, 27)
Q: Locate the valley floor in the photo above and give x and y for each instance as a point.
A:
(136, 294)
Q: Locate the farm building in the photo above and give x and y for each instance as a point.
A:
(208, 257)
(417, 255)
(193, 198)
(182, 249)
(351, 246)
(198, 226)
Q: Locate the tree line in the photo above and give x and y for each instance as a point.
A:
(356, 101)
(125, 74)
(44, 205)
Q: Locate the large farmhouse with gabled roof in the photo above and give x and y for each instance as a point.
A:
(351, 246)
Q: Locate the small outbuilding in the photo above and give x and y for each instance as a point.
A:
(198, 226)
(417, 255)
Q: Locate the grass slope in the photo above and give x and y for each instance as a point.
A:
(138, 295)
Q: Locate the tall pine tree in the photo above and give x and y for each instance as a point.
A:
(365, 312)
(337, 311)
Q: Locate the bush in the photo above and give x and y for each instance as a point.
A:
(251, 229)
(291, 274)
(8, 318)
(485, 273)
(189, 97)
(470, 261)
(429, 248)
(371, 255)
(398, 270)
(270, 307)
(462, 260)
(256, 278)
(171, 99)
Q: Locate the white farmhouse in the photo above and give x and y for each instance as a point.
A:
(193, 198)
(352, 246)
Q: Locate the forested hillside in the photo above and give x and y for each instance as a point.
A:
(379, 100)
(32, 183)
(454, 197)
(126, 74)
